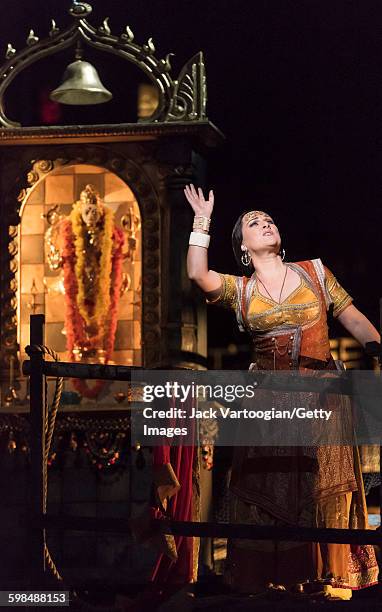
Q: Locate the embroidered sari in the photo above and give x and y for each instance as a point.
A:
(306, 486)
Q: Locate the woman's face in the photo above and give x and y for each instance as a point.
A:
(260, 232)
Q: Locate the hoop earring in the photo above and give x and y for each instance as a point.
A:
(246, 258)
(282, 253)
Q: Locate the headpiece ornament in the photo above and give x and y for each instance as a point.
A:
(90, 195)
(252, 214)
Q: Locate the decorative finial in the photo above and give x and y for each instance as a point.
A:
(127, 35)
(149, 47)
(80, 9)
(54, 30)
(10, 51)
(32, 39)
(104, 29)
(165, 63)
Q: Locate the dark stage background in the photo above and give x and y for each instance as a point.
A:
(296, 87)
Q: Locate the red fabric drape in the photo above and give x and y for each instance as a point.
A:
(181, 458)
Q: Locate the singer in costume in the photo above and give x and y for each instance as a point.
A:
(283, 307)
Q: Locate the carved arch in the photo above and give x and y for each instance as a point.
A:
(134, 176)
(183, 99)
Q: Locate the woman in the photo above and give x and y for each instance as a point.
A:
(284, 307)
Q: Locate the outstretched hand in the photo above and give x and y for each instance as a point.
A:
(199, 204)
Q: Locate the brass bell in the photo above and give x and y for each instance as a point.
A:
(81, 85)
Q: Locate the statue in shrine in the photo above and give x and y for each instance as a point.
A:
(90, 249)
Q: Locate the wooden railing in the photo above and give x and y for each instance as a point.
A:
(37, 368)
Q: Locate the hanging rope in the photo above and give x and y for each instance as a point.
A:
(50, 420)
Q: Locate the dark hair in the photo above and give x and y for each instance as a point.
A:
(237, 241)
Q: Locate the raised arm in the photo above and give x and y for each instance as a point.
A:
(197, 257)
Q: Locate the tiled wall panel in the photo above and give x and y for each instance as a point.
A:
(63, 187)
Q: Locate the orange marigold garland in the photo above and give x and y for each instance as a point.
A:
(105, 309)
(103, 280)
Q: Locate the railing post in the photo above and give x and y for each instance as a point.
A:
(37, 445)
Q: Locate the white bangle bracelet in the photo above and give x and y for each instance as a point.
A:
(199, 239)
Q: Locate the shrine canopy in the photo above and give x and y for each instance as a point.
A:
(168, 105)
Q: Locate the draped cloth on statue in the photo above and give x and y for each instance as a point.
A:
(316, 486)
(77, 292)
(92, 274)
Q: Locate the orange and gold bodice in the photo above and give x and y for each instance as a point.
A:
(303, 313)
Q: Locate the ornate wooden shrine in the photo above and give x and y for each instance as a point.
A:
(139, 170)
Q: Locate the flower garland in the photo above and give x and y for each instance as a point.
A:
(108, 291)
(103, 276)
